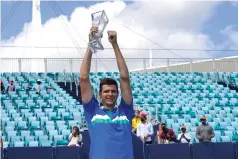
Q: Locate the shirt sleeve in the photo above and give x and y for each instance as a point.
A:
(172, 133)
(128, 109)
(138, 133)
(151, 130)
(188, 136)
(198, 136)
(80, 138)
(212, 132)
(161, 134)
(133, 123)
(70, 135)
(90, 109)
(34, 87)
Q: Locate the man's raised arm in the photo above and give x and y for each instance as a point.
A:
(124, 73)
(85, 85)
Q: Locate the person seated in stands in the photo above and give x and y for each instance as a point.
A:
(145, 130)
(136, 121)
(166, 135)
(39, 86)
(184, 137)
(10, 87)
(204, 132)
(2, 91)
(1, 142)
(75, 138)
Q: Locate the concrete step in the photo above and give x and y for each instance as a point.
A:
(73, 92)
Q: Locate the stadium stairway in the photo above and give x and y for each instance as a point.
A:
(72, 92)
(231, 86)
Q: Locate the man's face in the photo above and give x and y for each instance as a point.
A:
(11, 82)
(203, 121)
(164, 128)
(143, 119)
(183, 130)
(39, 82)
(109, 95)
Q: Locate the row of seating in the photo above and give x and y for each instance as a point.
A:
(174, 98)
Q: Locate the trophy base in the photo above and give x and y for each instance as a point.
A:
(96, 46)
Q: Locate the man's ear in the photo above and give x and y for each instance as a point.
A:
(99, 96)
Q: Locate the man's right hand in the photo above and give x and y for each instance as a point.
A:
(93, 30)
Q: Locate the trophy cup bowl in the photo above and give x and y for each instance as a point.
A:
(100, 20)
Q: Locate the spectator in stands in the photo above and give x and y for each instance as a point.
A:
(2, 91)
(109, 126)
(75, 138)
(145, 130)
(10, 87)
(204, 132)
(166, 135)
(136, 121)
(1, 142)
(39, 86)
(184, 137)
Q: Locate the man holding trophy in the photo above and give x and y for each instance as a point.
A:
(109, 126)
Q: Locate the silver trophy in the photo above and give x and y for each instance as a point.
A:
(100, 20)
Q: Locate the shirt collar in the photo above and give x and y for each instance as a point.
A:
(106, 109)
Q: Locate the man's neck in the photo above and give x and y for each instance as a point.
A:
(109, 107)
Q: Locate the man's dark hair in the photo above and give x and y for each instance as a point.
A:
(108, 81)
(76, 129)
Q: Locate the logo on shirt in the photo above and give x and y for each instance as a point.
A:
(105, 119)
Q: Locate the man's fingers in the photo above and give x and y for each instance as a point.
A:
(110, 32)
(94, 29)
